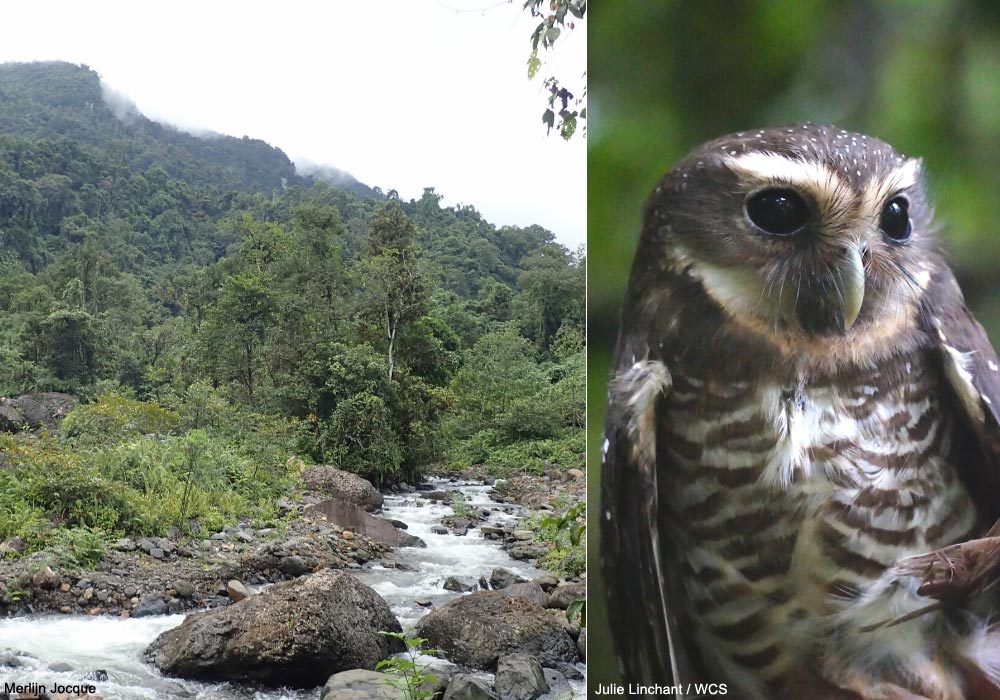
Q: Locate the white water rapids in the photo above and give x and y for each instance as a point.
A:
(89, 644)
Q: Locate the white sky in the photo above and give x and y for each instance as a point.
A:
(402, 94)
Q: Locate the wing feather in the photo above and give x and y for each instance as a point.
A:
(639, 567)
(972, 371)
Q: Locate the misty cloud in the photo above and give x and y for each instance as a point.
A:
(120, 105)
(326, 173)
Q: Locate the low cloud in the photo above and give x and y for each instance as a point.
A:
(120, 105)
(326, 173)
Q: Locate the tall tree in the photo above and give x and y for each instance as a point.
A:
(395, 287)
(235, 331)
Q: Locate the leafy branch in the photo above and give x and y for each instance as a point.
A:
(556, 16)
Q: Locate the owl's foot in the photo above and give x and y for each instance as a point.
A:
(957, 573)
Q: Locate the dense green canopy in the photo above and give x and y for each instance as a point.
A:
(275, 318)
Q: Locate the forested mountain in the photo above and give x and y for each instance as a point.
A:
(219, 313)
(57, 100)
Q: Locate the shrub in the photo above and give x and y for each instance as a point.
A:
(77, 548)
(360, 438)
(113, 415)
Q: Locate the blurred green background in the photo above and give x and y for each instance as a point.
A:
(666, 76)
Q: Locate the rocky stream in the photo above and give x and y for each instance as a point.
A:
(118, 633)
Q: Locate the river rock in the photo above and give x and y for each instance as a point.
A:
(581, 644)
(237, 591)
(478, 628)
(12, 545)
(183, 589)
(293, 634)
(439, 530)
(453, 583)
(456, 522)
(11, 420)
(150, 605)
(565, 595)
(46, 579)
(356, 520)
(520, 677)
(559, 687)
(569, 671)
(531, 591)
(359, 684)
(343, 486)
(466, 687)
(490, 532)
(546, 581)
(525, 551)
(293, 565)
(501, 578)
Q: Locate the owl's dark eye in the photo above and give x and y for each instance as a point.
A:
(895, 220)
(778, 211)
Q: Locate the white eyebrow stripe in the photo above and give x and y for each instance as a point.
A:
(770, 167)
(903, 177)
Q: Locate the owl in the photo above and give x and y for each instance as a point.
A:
(802, 453)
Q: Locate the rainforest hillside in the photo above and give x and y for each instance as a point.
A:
(224, 320)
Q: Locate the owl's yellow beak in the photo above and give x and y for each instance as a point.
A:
(850, 272)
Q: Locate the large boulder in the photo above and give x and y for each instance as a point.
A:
(478, 628)
(343, 486)
(354, 519)
(293, 634)
(35, 411)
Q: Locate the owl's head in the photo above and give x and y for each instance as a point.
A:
(807, 232)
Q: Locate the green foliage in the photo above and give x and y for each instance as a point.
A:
(577, 609)
(566, 531)
(460, 506)
(414, 680)
(115, 416)
(142, 484)
(359, 438)
(511, 414)
(77, 548)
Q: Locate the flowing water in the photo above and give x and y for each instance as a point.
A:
(115, 646)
